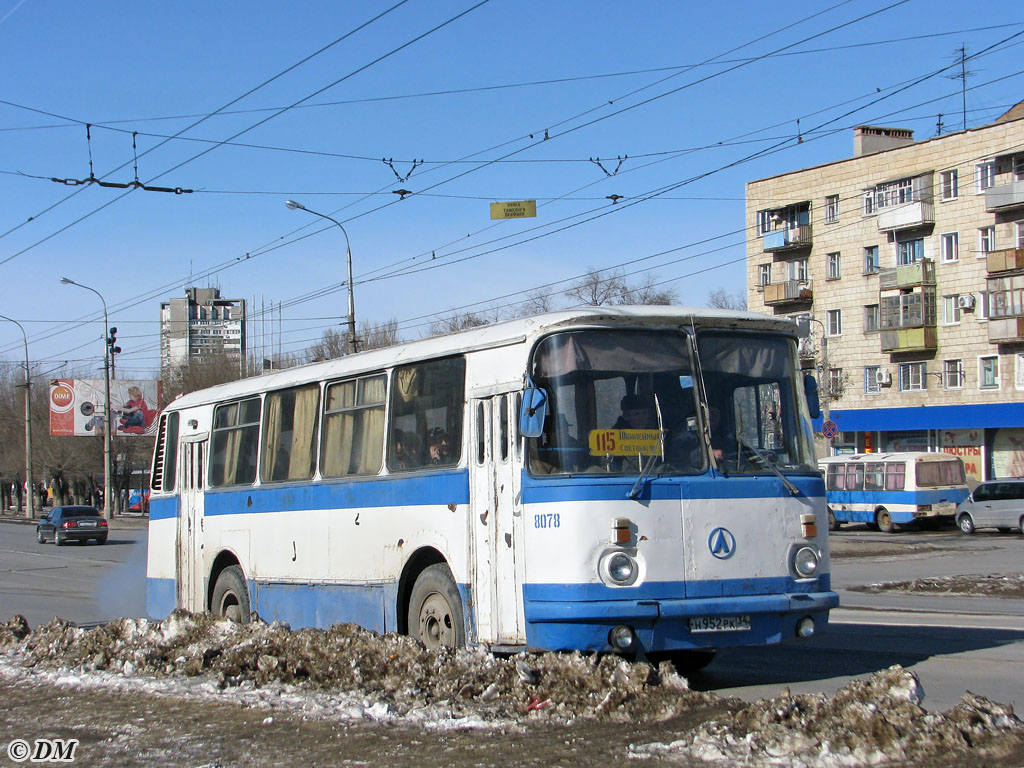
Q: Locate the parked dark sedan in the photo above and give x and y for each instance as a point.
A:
(72, 524)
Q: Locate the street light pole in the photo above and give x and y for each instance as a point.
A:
(108, 510)
(348, 253)
(30, 501)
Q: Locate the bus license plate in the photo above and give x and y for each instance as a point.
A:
(720, 623)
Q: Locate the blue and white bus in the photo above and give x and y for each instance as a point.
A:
(482, 488)
(886, 490)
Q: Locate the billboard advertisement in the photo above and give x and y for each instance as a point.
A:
(77, 405)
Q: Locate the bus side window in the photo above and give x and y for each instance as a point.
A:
(290, 434)
(165, 461)
(835, 477)
(895, 475)
(874, 477)
(236, 430)
(353, 439)
(503, 427)
(854, 477)
(481, 433)
(427, 404)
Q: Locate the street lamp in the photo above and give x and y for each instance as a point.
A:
(348, 249)
(108, 511)
(30, 501)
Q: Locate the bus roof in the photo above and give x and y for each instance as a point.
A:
(891, 456)
(487, 337)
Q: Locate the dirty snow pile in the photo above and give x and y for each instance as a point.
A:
(390, 671)
(1010, 585)
(346, 672)
(873, 722)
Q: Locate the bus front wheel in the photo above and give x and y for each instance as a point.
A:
(833, 524)
(231, 596)
(435, 609)
(884, 521)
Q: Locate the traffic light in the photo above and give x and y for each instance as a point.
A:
(110, 341)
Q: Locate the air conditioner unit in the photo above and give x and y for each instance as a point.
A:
(882, 376)
(966, 301)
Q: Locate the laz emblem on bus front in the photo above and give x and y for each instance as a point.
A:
(722, 543)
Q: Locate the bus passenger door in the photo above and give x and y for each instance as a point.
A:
(493, 520)
(190, 527)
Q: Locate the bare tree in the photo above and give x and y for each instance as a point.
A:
(379, 335)
(459, 322)
(648, 292)
(199, 374)
(722, 299)
(333, 344)
(598, 289)
(537, 301)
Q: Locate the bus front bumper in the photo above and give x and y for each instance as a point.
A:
(675, 624)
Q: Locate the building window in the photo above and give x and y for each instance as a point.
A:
(872, 386)
(764, 274)
(1020, 234)
(798, 270)
(832, 209)
(953, 374)
(835, 383)
(869, 203)
(912, 377)
(986, 241)
(1019, 372)
(893, 193)
(948, 180)
(1018, 168)
(871, 318)
(981, 309)
(834, 266)
(951, 309)
(834, 322)
(909, 251)
(950, 247)
(871, 260)
(988, 372)
(984, 176)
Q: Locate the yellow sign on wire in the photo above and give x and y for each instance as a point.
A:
(520, 209)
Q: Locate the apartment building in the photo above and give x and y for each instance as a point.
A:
(200, 327)
(909, 259)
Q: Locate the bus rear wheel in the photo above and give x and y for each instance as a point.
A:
(884, 521)
(231, 596)
(435, 609)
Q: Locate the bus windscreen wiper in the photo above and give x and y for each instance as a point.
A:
(793, 490)
(646, 468)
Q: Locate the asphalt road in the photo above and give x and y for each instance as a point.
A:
(954, 644)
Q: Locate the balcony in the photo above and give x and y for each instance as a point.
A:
(1004, 196)
(788, 292)
(1005, 260)
(905, 216)
(909, 340)
(907, 276)
(1005, 329)
(788, 239)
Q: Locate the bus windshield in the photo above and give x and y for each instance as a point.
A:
(626, 401)
(758, 414)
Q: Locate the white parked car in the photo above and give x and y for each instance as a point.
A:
(993, 504)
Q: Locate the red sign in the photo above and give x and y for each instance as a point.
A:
(829, 429)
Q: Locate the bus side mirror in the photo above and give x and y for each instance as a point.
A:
(813, 401)
(533, 412)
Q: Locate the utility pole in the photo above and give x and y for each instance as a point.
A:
(30, 498)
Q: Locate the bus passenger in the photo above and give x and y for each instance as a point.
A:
(636, 414)
(406, 453)
(438, 446)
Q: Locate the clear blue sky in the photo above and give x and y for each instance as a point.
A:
(472, 89)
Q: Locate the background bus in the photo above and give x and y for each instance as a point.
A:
(485, 488)
(885, 490)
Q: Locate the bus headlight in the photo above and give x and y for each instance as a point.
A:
(621, 568)
(805, 562)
